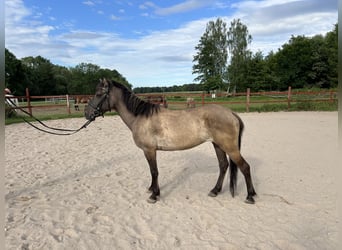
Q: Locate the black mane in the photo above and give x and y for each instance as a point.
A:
(134, 104)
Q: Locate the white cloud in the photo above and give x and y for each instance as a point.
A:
(115, 18)
(147, 5)
(273, 22)
(22, 33)
(162, 57)
(89, 3)
(182, 7)
(15, 11)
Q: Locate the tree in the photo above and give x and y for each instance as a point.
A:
(319, 58)
(259, 75)
(238, 41)
(211, 58)
(272, 76)
(114, 75)
(15, 77)
(62, 79)
(301, 62)
(40, 75)
(85, 77)
(331, 43)
(44, 78)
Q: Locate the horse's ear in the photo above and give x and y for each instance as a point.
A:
(105, 82)
(105, 85)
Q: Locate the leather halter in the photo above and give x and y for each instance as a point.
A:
(98, 110)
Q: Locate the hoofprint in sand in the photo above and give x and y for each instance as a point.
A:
(88, 190)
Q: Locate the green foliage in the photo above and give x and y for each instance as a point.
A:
(39, 75)
(238, 41)
(211, 58)
(42, 77)
(15, 77)
(306, 62)
(302, 62)
(331, 44)
(174, 88)
(258, 76)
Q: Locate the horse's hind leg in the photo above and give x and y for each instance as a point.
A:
(154, 188)
(223, 164)
(245, 169)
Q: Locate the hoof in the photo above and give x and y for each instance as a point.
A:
(212, 194)
(152, 200)
(250, 200)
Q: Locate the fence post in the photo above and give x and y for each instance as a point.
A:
(68, 104)
(202, 98)
(28, 101)
(289, 98)
(248, 99)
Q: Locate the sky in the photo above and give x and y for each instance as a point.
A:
(152, 43)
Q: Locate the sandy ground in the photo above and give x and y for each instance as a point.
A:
(88, 190)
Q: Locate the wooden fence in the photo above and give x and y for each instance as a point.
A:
(247, 98)
(183, 100)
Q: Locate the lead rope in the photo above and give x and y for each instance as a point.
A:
(70, 131)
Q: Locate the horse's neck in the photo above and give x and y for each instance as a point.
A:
(127, 116)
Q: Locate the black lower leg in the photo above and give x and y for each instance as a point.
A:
(223, 164)
(245, 169)
(154, 188)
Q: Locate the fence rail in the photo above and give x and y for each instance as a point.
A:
(183, 100)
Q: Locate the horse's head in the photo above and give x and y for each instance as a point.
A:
(99, 104)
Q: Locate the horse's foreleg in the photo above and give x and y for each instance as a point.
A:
(154, 188)
(223, 164)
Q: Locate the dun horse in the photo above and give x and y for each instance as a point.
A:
(155, 128)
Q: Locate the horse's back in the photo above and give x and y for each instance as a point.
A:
(211, 113)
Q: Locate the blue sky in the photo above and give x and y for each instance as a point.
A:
(151, 43)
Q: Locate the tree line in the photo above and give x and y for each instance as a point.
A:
(222, 61)
(302, 62)
(42, 77)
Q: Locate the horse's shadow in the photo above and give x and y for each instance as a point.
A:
(206, 167)
(203, 163)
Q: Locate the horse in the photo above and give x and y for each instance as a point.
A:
(190, 102)
(156, 128)
(80, 99)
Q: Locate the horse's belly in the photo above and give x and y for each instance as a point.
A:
(180, 143)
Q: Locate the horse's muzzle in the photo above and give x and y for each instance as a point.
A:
(91, 113)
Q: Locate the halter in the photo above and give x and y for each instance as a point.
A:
(98, 111)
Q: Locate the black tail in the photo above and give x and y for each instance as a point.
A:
(232, 165)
